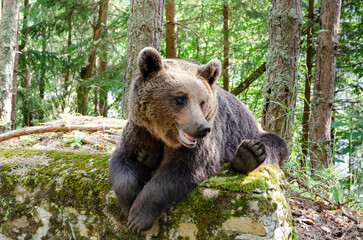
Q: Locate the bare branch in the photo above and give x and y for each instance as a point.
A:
(55, 128)
(246, 83)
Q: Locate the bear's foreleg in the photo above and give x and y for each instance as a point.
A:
(137, 154)
(171, 183)
(269, 148)
(127, 179)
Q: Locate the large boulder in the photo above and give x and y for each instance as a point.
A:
(51, 194)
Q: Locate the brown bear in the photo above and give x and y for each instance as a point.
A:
(181, 127)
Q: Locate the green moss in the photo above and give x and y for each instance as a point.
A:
(7, 198)
(266, 204)
(8, 153)
(206, 213)
(82, 163)
(239, 183)
(294, 235)
(233, 181)
(240, 206)
(83, 176)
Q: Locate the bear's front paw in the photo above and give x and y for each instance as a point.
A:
(141, 221)
(249, 156)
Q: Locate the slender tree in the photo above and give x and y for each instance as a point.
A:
(42, 70)
(281, 70)
(15, 80)
(102, 103)
(8, 36)
(67, 82)
(145, 26)
(171, 27)
(324, 84)
(226, 45)
(86, 72)
(309, 65)
(102, 91)
(25, 82)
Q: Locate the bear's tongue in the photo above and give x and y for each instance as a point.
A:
(187, 140)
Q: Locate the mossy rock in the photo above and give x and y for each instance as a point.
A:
(51, 194)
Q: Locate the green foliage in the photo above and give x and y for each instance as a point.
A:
(51, 22)
(74, 139)
(327, 184)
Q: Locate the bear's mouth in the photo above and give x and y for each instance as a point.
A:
(186, 140)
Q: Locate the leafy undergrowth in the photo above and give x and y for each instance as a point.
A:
(313, 219)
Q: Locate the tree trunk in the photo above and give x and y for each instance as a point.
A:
(102, 95)
(102, 103)
(145, 26)
(86, 72)
(95, 102)
(309, 65)
(42, 72)
(281, 70)
(66, 75)
(324, 85)
(171, 35)
(8, 34)
(226, 45)
(15, 80)
(25, 80)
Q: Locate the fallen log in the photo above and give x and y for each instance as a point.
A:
(55, 128)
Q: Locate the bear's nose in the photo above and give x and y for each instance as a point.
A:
(203, 129)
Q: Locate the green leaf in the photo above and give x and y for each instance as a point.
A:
(357, 135)
(335, 124)
(335, 194)
(321, 174)
(346, 150)
(336, 160)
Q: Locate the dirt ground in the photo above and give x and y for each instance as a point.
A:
(312, 219)
(315, 220)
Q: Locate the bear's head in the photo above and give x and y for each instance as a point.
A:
(175, 100)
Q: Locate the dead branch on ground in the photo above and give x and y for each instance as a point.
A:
(55, 128)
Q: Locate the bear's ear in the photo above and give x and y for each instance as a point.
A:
(149, 61)
(211, 71)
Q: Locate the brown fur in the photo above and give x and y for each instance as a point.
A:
(170, 99)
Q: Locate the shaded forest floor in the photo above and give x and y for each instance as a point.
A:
(312, 219)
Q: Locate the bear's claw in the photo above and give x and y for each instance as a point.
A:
(249, 156)
(138, 224)
(139, 221)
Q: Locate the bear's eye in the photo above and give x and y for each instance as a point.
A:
(202, 104)
(181, 101)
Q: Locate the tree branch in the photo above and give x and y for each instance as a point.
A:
(54, 128)
(246, 83)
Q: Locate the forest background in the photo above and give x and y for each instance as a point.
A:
(74, 57)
